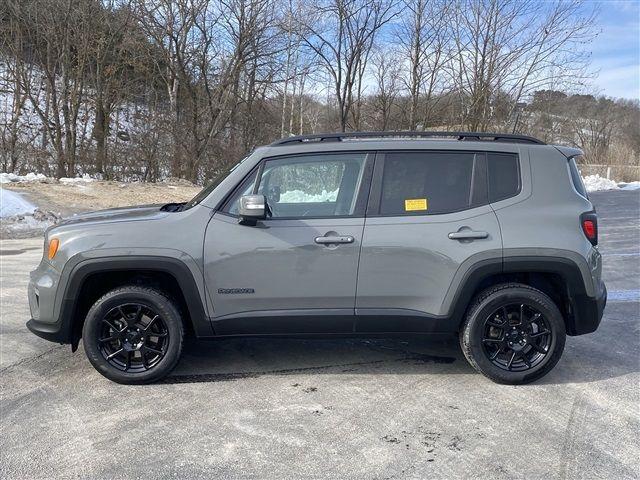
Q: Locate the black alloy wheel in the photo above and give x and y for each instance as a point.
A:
(513, 333)
(516, 337)
(133, 334)
(133, 337)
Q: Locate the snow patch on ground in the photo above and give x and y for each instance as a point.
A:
(28, 178)
(12, 203)
(19, 217)
(83, 179)
(629, 186)
(39, 177)
(596, 183)
(298, 196)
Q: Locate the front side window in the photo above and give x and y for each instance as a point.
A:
(427, 183)
(313, 186)
(307, 186)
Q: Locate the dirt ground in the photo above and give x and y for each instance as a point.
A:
(67, 199)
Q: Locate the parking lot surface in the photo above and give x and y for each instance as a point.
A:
(329, 408)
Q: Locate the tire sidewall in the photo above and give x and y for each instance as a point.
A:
(475, 329)
(151, 299)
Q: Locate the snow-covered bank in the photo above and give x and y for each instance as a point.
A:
(28, 178)
(19, 217)
(39, 177)
(12, 203)
(596, 183)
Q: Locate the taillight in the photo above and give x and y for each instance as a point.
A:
(589, 222)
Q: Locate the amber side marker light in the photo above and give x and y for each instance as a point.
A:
(53, 248)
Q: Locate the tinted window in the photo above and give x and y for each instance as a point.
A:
(313, 186)
(504, 176)
(576, 178)
(427, 183)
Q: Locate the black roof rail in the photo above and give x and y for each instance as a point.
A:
(477, 136)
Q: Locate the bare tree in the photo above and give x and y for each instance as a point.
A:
(112, 68)
(341, 34)
(514, 47)
(59, 45)
(12, 39)
(198, 83)
(423, 34)
(386, 74)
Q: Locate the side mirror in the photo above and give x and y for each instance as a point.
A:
(252, 208)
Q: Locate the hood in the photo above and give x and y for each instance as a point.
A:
(124, 214)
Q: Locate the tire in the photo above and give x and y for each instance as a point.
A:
(133, 335)
(523, 349)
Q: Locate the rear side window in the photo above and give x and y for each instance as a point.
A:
(428, 183)
(576, 178)
(504, 176)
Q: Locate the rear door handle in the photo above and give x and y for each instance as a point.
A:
(334, 239)
(468, 235)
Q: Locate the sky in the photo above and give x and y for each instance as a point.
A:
(616, 50)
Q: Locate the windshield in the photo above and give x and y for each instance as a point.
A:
(204, 193)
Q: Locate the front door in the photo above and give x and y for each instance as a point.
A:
(296, 271)
(428, 218)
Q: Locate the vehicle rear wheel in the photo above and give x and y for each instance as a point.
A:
(133, 335)
(513, 334)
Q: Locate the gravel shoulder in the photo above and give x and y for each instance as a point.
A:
(73, 198)
(58, 200)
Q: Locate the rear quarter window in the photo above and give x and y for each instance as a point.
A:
(504, 176)
(576, 178)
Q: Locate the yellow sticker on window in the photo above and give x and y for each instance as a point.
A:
(415, 204)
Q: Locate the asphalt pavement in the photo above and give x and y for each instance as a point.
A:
(347, 408)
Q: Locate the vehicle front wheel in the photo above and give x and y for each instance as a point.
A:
(513, 334)
(133, 335)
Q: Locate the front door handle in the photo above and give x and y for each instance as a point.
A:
(329, 240)
(468, 235)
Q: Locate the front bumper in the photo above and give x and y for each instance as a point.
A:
(54, 332)
(42, 291)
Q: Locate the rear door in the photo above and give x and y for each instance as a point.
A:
(428, 219)
(296, 271)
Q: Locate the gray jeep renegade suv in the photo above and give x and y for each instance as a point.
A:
(487, 236)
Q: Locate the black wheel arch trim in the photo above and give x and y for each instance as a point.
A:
(65, 329)
(585, 312)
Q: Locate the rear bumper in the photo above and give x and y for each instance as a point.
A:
(588, 311)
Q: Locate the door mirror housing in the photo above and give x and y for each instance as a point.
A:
(252, 208)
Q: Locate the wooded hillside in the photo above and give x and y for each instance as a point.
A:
(149, 89)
